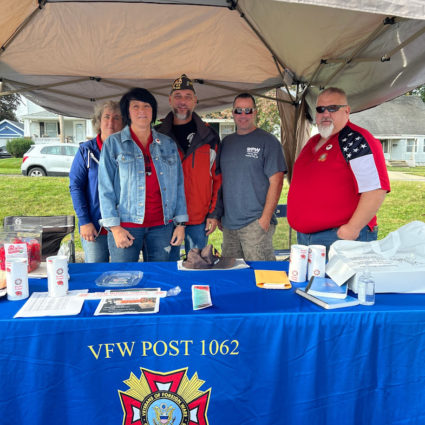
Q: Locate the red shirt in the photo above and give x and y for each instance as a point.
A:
(326, 185)
(154, 214)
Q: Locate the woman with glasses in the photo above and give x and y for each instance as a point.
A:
(84, 183)
(141, 185)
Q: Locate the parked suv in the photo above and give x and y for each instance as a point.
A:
(49, 160)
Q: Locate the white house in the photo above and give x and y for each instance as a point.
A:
(10, 130)
(43, 126)
(400, 126)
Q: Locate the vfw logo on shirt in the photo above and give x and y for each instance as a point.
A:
(252, 152)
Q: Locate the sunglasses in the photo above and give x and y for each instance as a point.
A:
(330, 108)
(248, 111)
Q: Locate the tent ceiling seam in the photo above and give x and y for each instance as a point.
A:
(261, 38)
(41, 87)
(383, 27)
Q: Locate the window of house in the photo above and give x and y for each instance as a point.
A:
(226, 128)
(51, 129)
(385, 145)
(411, 145)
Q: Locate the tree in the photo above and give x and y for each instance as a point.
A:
(8, 106)
(420, 91)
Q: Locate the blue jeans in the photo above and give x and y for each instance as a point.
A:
(155, 242)
(194, 238)
(97, 251)
(328, 237)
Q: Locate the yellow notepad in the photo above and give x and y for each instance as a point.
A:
(272, 279)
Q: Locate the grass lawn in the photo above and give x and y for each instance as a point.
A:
(10, 165)
(50, 196)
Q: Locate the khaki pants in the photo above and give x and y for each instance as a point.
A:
(251, 243)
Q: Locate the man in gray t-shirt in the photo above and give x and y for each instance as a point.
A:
(252, 167)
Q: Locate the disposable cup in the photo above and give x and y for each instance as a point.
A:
(17, 279)
(316, 261)
(298, 263)
(57, 275)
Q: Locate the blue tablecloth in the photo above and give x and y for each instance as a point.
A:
(256, 357)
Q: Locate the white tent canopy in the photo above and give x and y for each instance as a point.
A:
(66, 55)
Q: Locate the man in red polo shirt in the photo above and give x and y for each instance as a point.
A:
(339, 180)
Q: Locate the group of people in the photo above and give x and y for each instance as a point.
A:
(138, 188)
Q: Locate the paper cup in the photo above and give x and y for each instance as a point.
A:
(298, 263)
(57, 275)
(316, 261)
(17, 279)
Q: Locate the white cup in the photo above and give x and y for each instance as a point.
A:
(17, 279)
(316, 261)
(57, 275)
(298, 263)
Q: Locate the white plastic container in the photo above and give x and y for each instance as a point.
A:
(366, 288)
(17, 279)
(298, 263)
(57, 275)
(316, 261)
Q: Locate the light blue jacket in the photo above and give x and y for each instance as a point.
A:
(122, 179)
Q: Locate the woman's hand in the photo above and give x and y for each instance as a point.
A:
(88, 232)
(178, 236)
(123, 238)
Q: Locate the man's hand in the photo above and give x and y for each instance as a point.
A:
(264, 223)
(348, 232)
(367, 207)
(123, 238)
(210, 225)
(178, 236)
(88, 232)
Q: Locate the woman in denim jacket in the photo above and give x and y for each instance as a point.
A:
(83, 183)
(141, 187)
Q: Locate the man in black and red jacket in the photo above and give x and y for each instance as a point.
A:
(198, 144)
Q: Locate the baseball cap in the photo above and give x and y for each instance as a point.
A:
(183, 83)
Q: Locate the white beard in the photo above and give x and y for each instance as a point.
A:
(183, 116)
(325, 130)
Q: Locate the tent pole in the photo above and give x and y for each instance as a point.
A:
(29, 18)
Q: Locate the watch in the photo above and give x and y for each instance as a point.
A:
(180, 223)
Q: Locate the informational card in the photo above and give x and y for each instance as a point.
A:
(39, 304)
(123, 304)
(201, 297)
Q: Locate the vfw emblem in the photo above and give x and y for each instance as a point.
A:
(164, 399)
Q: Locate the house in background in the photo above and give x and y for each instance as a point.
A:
(43, 126)
(10, 130)
(223, 126)
(400, 126)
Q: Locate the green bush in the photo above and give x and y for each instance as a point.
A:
(17, 147)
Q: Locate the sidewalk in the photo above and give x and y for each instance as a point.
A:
(397, 175)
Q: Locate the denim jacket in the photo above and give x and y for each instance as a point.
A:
(122, 179)
(83, 184)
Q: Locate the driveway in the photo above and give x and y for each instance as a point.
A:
(397, 175)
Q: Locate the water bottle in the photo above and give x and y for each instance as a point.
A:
(366, 288)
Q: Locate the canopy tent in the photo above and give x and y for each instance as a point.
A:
(65, 55)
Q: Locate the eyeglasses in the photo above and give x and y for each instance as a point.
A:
(330, 108)
(248, 111)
